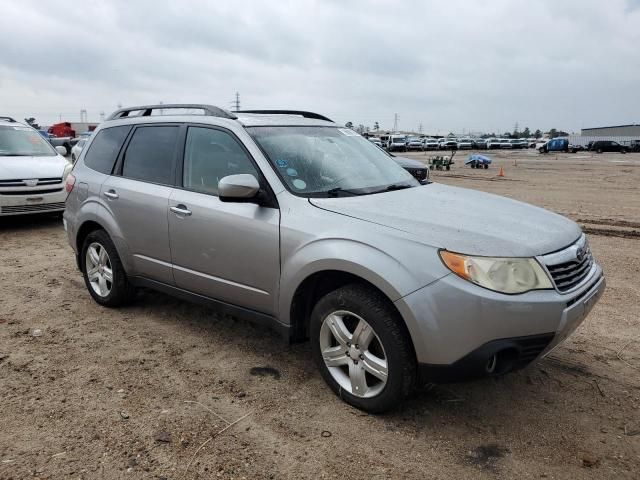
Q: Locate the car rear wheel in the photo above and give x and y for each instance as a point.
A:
(362, 348)
(103, 272)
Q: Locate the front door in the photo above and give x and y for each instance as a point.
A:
(223, 250)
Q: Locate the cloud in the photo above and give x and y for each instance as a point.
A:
(447, 65)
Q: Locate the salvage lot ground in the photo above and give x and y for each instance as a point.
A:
(144, 392)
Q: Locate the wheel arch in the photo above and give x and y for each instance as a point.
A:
(316, 285)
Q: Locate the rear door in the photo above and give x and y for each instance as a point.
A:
(223, 250)
(138, 196)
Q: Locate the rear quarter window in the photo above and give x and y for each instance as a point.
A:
(104, 149)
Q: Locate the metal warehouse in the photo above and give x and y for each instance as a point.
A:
(616, 131)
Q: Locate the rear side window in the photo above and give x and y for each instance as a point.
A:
(150, 154)
(105, 148)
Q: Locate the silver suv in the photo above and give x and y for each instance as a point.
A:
(285, 218)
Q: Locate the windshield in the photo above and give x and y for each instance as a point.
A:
(19, 141)
(329, 161)
(398, 140)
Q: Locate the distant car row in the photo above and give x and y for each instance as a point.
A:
(405, 143)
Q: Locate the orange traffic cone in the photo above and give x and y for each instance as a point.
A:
(501, 172)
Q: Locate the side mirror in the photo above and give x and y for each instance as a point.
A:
(238, 188)
(61, 150)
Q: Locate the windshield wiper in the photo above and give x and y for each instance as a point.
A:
(394, 186)
(334, 192)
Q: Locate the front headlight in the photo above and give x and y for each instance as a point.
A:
(505, 275)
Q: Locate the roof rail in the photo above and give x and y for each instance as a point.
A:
(302, 113)
(146, 110)
(8, 119)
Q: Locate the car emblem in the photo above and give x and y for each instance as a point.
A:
(580, 253)
(31, 182)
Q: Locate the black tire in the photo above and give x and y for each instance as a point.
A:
(486, 166)
(599, 150)
(379, 313)
(623, 151)
(122, 292)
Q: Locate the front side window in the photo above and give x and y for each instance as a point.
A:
(20, 141)
(104, 149)
(211, 155)
(150, 154)
(329, 161)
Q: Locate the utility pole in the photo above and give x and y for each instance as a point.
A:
(83, 116)
(236, 103)
(420, 129)
(395, 122)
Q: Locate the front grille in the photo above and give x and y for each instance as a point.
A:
(32, 208)
(571, 266)
(32, 192)
(23, 183)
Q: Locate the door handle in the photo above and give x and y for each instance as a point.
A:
(111, 194)
(180, 210)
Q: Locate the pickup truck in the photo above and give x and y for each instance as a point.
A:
(66, 142)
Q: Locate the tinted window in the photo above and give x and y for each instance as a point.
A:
(105, 148)
(150, 154)
(211, 155)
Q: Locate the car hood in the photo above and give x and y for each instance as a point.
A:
(462, 220)
(24, 168)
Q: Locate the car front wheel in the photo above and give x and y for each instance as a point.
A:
(362, 348)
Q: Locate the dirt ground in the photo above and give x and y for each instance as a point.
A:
(151, 391)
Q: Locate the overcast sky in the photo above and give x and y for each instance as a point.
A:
(449, 65)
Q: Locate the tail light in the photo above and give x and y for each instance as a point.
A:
(69, 183)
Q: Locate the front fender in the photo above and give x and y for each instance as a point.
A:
(389, 274)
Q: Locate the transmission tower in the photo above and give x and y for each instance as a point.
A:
(236, 103)
(395, 122)
(83, 116)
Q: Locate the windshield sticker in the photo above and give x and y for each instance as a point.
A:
(292, 172)
(282, 163)
(299, 184)
(348, 132)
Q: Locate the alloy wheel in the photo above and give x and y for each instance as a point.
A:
(99, 270)
(353, 354)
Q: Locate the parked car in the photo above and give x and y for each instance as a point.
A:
(480, 143)
(417, 169)
(600, 146)
(505, 143)
(465, 143)
(295, 222)
(634, 146)
(397, 142)
(493, 143)
(414, 143)
(77, 148)
(519, 143)
(32, 171)
(375, 141)
(556, 145)
(430, 144)
(448, 144)
(65, 142)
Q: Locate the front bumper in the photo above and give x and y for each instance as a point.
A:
(33, 202)
(457, 327)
